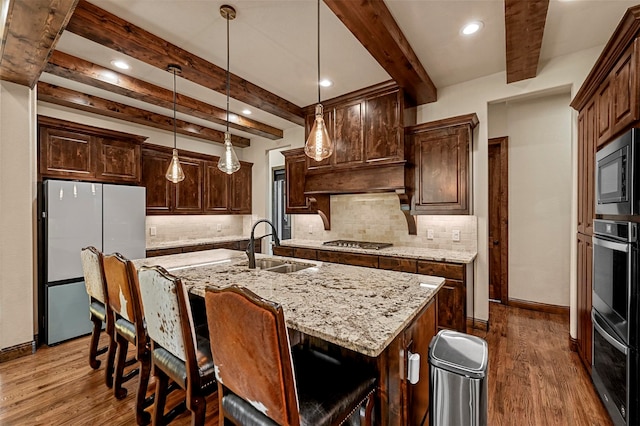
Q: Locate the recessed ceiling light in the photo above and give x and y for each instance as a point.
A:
(472, 27)
(120, 64)
(246, 111)
(326, 83)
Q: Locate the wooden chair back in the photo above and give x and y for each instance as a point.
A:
(250, 349)
(168, 315)
(122, 290)
(93, 273)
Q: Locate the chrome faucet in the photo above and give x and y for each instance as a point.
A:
(251, 248)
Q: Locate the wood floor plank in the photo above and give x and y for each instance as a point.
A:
(533, 379)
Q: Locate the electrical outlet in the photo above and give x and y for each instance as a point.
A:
(429, 234)
(455, 235)
(311, 229)
(152, 231)
(219, 227)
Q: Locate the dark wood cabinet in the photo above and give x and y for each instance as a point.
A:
(443, 165)
(399, 264)
(205, 189)
(159, 190)
(417, 337)
(585, 286)
(240, 195)
(216, 188)
(284, 251)
(188, 193)
(365, 126)
(295, 162)
(355, 259)
(304, 253)
(70, 150)
(587, 138)
(608, 105)
(452, 297)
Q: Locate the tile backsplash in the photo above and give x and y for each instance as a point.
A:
(377, 217)
(191, 227)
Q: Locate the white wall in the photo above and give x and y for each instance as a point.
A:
(540, 195)
(474, 96)
(17, 214)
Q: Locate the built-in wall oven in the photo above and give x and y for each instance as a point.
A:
(616, 315)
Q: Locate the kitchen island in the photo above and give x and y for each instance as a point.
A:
(374, 316)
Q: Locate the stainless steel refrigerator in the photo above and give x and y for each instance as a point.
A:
(76, 215)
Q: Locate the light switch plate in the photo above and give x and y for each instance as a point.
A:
(429, 234)
(218, 227)
(152, 231)
(455, 235)
(311, 229)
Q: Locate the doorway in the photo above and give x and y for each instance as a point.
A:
(498, 221)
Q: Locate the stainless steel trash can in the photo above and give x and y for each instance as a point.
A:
(457, 381)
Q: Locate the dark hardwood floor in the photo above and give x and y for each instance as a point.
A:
(534, 379)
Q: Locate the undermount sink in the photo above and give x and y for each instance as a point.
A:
(281, 266)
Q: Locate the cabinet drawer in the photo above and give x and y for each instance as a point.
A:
(283, 251)
(163, 252)
(348, 258)
(400, 264)
(440, 269)
(304, 253)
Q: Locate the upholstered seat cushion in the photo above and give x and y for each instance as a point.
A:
(328, 392)
(126, 329)
(176, 369)
(97, 310)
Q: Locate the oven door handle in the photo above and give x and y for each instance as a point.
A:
(611, 245)
(607, 335)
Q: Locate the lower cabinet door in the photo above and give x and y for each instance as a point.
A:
(451, 300)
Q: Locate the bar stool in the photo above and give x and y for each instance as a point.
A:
(176, 352)
(124, 300)
(99, 311)
(262, 381)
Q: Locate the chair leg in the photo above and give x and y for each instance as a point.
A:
(198, 407)
(143, 417)
(111, 356)
(123, 346)
(367, 413)
(162, 387)
(93, 344)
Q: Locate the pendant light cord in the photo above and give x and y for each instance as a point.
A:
(174, 109)
(318, 82)
(228, 75)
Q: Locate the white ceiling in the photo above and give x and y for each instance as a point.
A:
(273, 43)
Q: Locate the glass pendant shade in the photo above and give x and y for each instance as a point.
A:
(319, 146)
(228, 163)
(174, 171)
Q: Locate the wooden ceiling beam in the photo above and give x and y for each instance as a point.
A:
(524, 22)
(81, 101)
(31, 31)
(373, 25)
(104, 28)
(76, 69)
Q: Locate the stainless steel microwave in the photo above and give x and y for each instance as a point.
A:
(617, 188)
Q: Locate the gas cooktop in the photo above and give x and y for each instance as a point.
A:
(367, 245)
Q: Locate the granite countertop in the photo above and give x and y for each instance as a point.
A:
(194, 242)
(358, 308)
(421, 253)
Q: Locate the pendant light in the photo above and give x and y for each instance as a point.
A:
(228, 163)
(318, 146)
(174, 172)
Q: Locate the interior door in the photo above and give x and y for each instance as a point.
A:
(498, 212)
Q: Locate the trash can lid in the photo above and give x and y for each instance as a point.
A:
(459, 353)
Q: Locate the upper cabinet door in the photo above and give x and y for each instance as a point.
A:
(442, 160)
(188, 195)
(66, 154)
(349, 138)
(118, 160)
(159, 189)
(216, 188)
(241, 189)
(382, 130)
